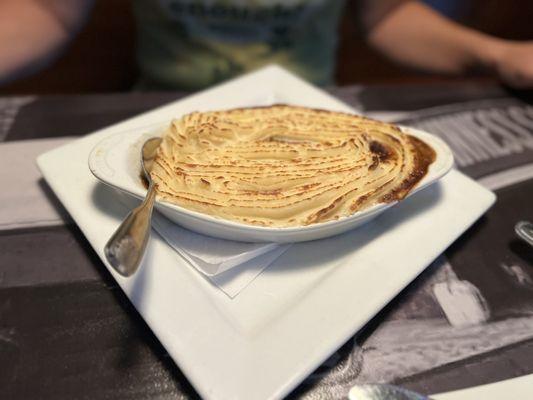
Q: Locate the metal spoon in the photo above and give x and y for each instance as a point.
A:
(382, 392)
(125, 249)
(524, 229)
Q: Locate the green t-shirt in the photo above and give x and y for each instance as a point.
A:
(192, 44)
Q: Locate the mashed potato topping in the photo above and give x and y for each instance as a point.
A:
(283, 166)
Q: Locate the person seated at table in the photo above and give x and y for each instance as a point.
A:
(194, 44)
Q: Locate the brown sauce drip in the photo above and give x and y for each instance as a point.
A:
(425, 156)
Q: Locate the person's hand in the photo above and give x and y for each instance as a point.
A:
(437, 44)
(513, 63)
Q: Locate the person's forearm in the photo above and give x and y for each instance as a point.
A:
(419, 37)
(33, 33)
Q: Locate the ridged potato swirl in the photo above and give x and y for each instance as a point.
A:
(283, 166)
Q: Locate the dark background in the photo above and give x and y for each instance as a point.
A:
(102, 57)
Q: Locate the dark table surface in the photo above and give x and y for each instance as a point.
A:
(68, 332)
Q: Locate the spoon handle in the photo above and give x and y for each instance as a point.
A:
(126, 248)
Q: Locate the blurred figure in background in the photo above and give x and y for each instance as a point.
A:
(196, 43)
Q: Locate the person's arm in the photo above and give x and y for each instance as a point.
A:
(415, 35)
(33, 33)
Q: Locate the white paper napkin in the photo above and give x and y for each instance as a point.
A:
(227, 264)
(209, 255)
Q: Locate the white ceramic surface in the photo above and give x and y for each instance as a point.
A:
(293, 316)
(116, 162)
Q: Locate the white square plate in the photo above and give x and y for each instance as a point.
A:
(264, 342)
